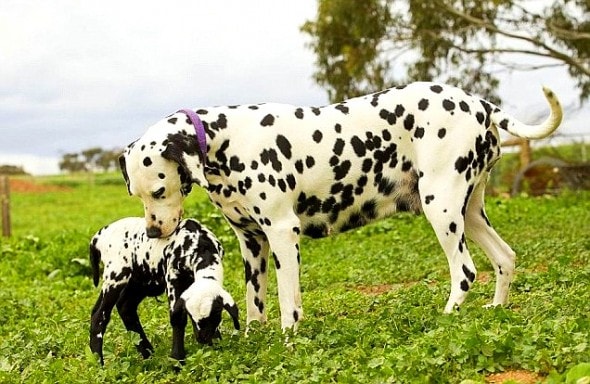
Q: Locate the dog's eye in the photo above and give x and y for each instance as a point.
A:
(158, 194)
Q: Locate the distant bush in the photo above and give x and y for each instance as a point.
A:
(12, 170)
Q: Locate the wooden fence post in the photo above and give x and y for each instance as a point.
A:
(5, 205)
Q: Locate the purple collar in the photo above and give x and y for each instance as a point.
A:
(199, 130)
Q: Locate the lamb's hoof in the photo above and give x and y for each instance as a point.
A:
(145, 348)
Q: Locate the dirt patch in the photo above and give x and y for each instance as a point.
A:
(484, 277)
(520, 377)
(29, 186)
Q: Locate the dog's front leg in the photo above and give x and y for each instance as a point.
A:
(254, 249)
(284, 243)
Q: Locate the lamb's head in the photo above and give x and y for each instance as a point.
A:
(204, 301)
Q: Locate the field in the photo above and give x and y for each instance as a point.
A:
(373, 301)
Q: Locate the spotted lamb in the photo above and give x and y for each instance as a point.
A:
(187, 265)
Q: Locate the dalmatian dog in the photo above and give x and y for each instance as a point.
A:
(186, 265)
(280, 171)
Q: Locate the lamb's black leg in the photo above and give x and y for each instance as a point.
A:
(127, 308)
(101, 315)
(176, 284)
(178, 320)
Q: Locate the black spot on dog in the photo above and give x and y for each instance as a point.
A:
(299, 166)
(299, 113)
(480, 117)
(504, 124)
(468, 273)
(342, 108)
(309, 161)
(334, 160)
(441, 133)
(259, 304)
(367, 165)
(284, 146)
(316, 231)
(340, 171)
(291, 181)
(419, 133)
(453, 227)
(465, 285)
(338, 147)
(369, 209)
(336, 188)
(448, 105)
(436, 88)
(270, 155)
(317, 136)
(268, 120)
(406, 166)
(276, 259)
(423, 104)
(464, 106)
(236, 165)
(338, 128)
(358, 146)
(247, 271)
(428, 198)
(461, 164)
(282, 185)
(147, 162)
(409, 122)
(386, 186)
(388, 116)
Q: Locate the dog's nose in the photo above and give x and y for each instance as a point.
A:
(153, 232)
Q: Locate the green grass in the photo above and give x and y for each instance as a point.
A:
(395, 334)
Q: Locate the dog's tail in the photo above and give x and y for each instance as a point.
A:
(508, 123)
(94, 261)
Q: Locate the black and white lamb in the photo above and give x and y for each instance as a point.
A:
(187, 265)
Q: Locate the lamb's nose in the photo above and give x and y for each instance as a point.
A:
(154, 232)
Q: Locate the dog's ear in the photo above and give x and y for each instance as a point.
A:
(184, 150)
(230, 306)
(123, 165)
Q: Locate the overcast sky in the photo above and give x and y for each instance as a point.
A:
(79, 74)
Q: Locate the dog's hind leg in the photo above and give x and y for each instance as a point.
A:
(444, 203)
(479, 229)
(255, 250)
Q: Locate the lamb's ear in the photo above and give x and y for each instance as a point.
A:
(184, 151)
(230, 306)
(123, 166)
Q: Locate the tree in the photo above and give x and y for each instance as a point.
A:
(12, 170)
(461, 42)
(72, 162)
(90, 160)
(91, 155)
(108, 159)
